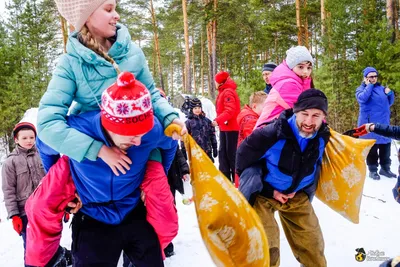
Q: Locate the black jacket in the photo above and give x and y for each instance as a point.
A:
(178, 169)
(292, 161)
(202, 131)
(387, 130)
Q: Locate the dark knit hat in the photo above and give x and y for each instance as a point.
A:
(195, 102)
(311, 98)
(23, 125)
(368, 70)
(270, 66)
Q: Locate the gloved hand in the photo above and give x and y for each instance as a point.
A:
(17, 224)
(362, 130)
(215, 152)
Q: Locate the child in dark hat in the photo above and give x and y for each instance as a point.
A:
(21, 173)
(201, 129)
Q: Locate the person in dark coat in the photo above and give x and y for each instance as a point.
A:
(290, 148)
(178, 172)
(186, 106)
(201, 129)
(375, 101)
(384, 130)
(267, 70)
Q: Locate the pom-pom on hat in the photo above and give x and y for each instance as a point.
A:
(77, 12)
(221, 77)
(126, 107)
(23, 125)
(311, 98)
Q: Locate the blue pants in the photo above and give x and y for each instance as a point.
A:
(23, 232)
(97, 244)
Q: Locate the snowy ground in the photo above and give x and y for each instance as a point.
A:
(377, 231)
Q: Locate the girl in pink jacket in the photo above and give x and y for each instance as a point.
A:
(288, 81)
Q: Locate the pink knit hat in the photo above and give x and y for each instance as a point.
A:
(76, 12)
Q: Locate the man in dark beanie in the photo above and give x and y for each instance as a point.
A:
(290, 149)
(268, 68)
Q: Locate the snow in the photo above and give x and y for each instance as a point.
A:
(378, 230)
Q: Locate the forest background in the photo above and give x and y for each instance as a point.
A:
(187, 41)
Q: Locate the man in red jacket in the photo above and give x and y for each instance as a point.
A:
(228, 108)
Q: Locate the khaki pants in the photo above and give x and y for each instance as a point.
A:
(301, 228)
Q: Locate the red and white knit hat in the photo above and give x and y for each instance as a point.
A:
(126, 107)
(77, 12)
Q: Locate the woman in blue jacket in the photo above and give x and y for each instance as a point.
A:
(96, 51)
(375, 101)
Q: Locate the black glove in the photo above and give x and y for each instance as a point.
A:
(215, 152)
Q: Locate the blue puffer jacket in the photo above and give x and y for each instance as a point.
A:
(291, 161)
(374, 107)
(106, 197)
(82, 75)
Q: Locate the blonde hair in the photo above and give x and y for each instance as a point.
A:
(257, 97)
(86, 38)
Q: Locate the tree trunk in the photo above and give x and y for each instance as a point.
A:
(323, 18)
(184, 76)
(156, 43)
(202, 62)
(194, 68)
(211, 43)
(390, 18)
(172, 80)
(396, 19)
(211, 85)
(64, 30)
(214, 48)
(298, 22)
(187, 49)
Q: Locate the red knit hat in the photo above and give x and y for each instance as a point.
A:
(221, 77)
(126, 107)
(23, 125)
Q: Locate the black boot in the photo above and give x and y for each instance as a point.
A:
(374, 175)
(169, 250)
(62, 258)
(386, 172)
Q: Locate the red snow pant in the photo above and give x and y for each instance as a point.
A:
(159, 201)
(45, 209)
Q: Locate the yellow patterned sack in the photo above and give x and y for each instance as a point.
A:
(343, 172)
(230, 228)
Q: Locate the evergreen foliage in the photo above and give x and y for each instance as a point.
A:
(249, 34)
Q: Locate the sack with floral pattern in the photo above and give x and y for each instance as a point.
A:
(230, 228)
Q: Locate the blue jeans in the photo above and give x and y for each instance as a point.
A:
(23, 232)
